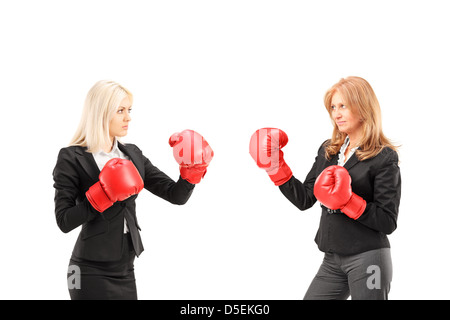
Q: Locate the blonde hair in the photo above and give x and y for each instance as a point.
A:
(101, 103)
(360, 98)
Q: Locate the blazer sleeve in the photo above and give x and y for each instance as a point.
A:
(381, 213)
(72, 208)
(161, 185)
(301, 194)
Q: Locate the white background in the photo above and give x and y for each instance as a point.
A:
(224, 69)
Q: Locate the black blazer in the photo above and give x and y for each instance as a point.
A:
(101, 235)
(376, 180)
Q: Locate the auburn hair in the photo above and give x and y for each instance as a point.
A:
(360, 98)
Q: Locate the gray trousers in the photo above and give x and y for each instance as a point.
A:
(364, 276)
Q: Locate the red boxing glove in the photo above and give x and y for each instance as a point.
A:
(118, 180)
(265, 149)
(333, 189)
(192, 153)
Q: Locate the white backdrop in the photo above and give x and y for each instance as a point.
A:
(224, 69)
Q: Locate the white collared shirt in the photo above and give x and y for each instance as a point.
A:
(342, 160)
(101, 158)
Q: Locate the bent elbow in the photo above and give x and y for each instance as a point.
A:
(180, 202)
(390, 228)
(64, 228)
(62, 224)
(181, 199)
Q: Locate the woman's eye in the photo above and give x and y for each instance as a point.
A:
(343, 107)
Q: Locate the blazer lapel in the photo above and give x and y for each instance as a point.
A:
(87, 162)
(134, 157)
(334, 159)
(351, 162)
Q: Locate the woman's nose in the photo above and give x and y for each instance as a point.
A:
(336, 114)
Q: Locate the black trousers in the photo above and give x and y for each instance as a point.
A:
(91, 280)
(363, 276)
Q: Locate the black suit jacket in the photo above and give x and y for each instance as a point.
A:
(101, 235)
(376, 180)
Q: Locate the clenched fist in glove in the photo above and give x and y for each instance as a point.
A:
(265, 149)
(118, 180)
(333, 189)
(192, 153)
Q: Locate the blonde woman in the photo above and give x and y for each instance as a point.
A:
(356, 178)
(97, 180)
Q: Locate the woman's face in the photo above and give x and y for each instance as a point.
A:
(344, 118)
(118, 127)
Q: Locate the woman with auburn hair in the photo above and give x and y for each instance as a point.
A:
(97, 180)
(356, 178)
(360, 97)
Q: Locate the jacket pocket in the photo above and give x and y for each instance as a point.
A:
(94, 228)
